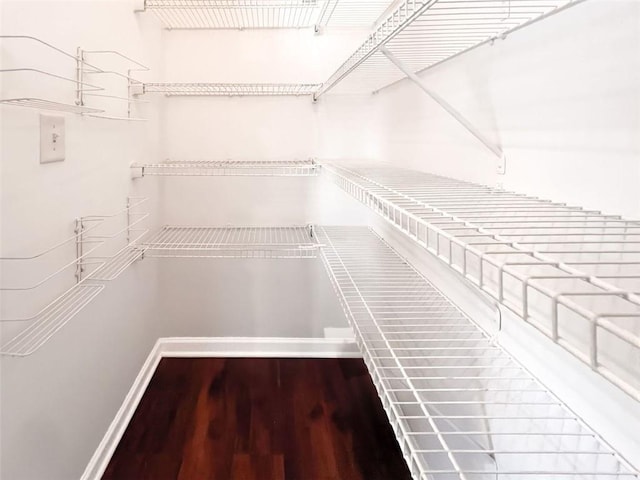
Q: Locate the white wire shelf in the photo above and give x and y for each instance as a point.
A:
(116, 265)
(424, 33)
(351, 13)
(231, 89)
(43, 104)
(233, 242)
(51, 319)
(284, 168)
(572, 273)
(83, 89)
(265, 14)
(133, 85)
(460, 406)
(29, 332)
(113, 266)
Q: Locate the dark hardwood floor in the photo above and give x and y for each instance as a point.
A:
(259, 419)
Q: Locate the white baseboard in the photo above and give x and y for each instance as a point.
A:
(208, 347)
(100, 459)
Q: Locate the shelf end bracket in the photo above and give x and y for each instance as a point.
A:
(495, 149)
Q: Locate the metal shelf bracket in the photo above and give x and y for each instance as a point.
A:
(495, 149)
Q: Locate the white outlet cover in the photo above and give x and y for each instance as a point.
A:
(52, 138)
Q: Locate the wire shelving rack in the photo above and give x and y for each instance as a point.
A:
(233, 242)
(28, 333)
(459, 405)
(231, 89)
(422, 34)
(47, 103)
(82, 87)
(44, 104)
(278, 168)
(572, 273)
(265, 14)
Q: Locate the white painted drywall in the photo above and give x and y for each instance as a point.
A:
(286, 298)
(57, 403)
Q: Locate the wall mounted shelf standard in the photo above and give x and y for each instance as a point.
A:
(283, 168)
(460, 406)
(574, 274)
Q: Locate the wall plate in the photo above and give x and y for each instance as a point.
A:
(52, 138)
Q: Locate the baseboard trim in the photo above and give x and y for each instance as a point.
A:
(260, 347)
(100, 459)
(208, 347)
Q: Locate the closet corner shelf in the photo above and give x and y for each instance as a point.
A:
(573, 274)
(284, 168)
(233, 242)
(459, 405)
(231, 89)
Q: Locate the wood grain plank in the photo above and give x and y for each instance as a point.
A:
(259, 419)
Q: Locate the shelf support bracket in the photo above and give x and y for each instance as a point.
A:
(495, 149)
(79, 77)
(79, 231)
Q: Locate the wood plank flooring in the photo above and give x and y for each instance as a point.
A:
(259, 419)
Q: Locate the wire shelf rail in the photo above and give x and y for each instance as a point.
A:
(28, 333)
(460, 406)
(233, 242)
(227, 14)
(265, 14)
(422, 34)
(282, 168)
(44, 104)
(572, 273)
(351, 13)
(231, 89)
(83, 88)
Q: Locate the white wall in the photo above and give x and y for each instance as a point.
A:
(283, 298)
(58, 402)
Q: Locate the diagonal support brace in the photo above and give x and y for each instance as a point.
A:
(495, 149)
